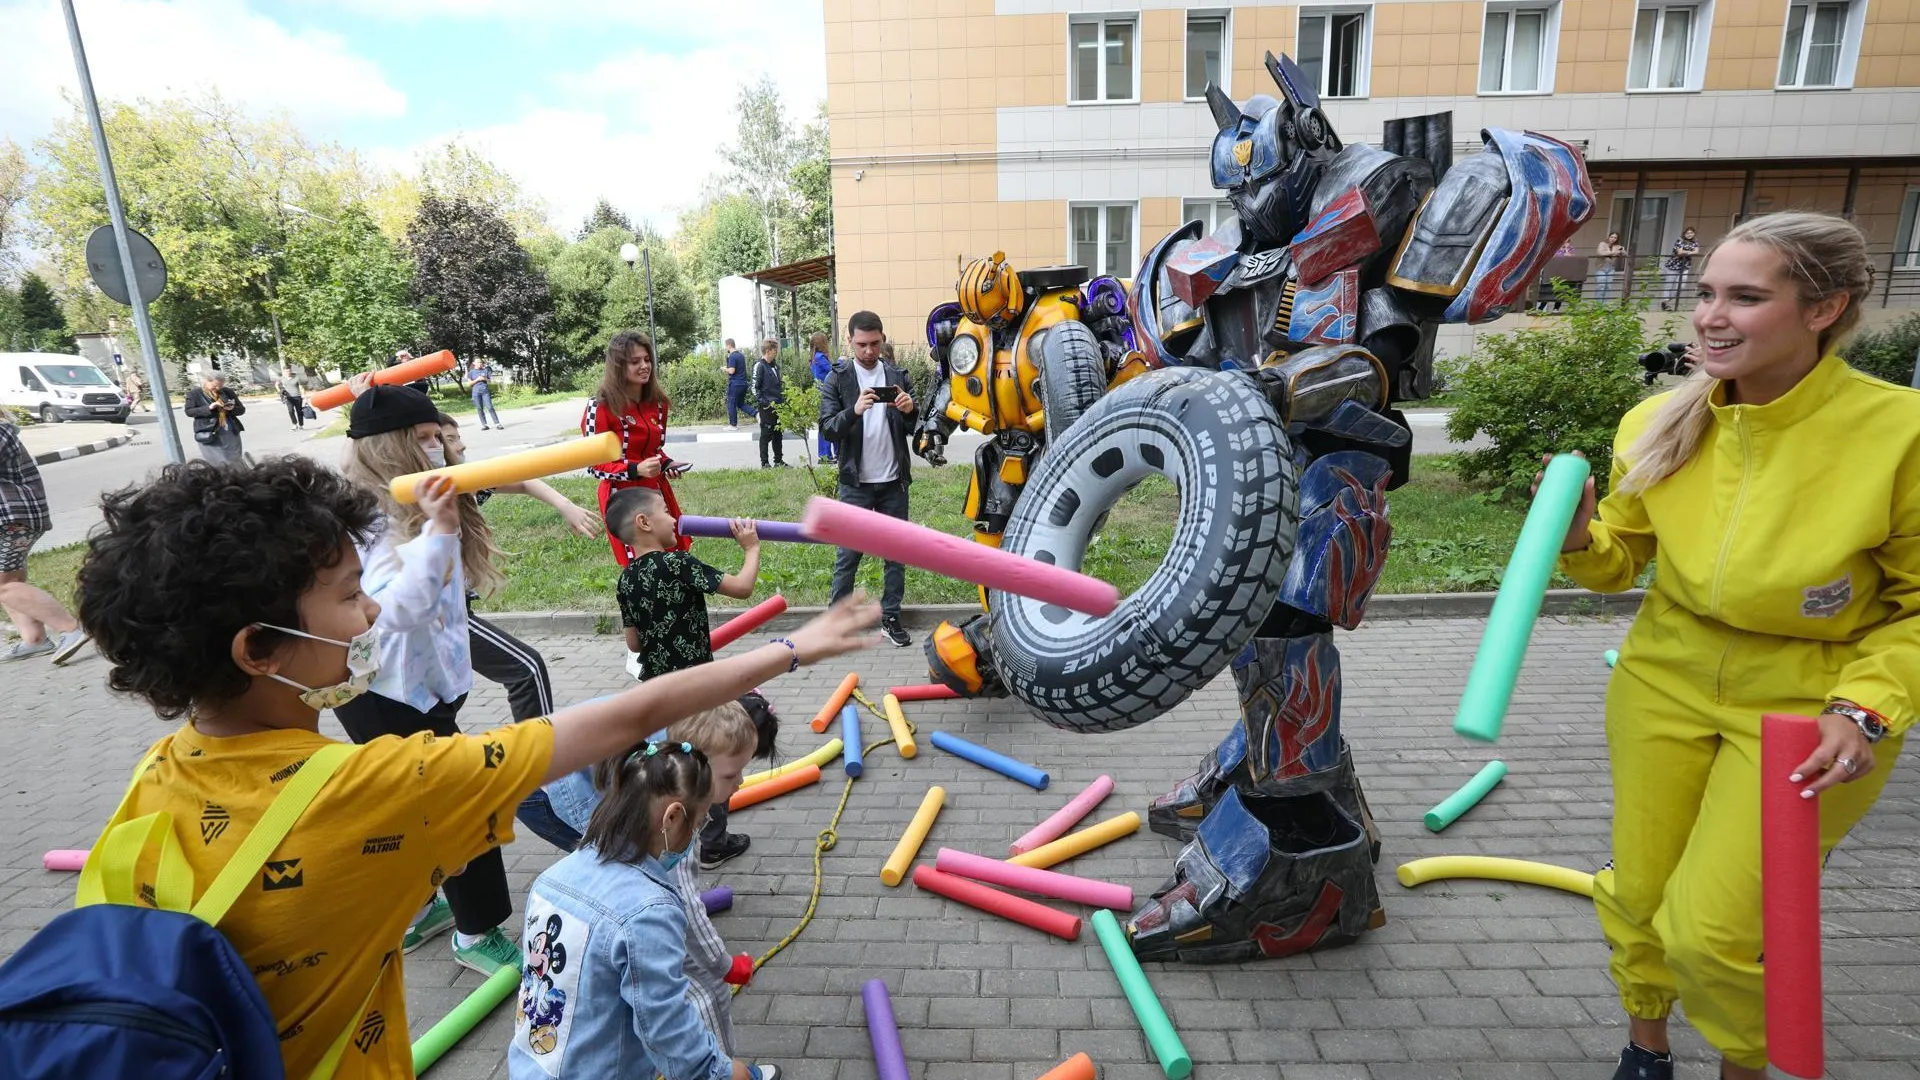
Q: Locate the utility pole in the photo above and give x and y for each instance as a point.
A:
(156, 376)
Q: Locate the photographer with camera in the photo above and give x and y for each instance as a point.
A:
(866, 410)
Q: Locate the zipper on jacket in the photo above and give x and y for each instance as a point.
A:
(1733, 517)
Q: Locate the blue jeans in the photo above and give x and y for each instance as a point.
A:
(737, 403)
(483, 403)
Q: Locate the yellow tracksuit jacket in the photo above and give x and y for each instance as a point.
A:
(1788, 573)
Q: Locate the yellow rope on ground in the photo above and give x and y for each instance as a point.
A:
(824, 843)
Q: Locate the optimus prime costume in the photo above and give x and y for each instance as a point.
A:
(1257, 368)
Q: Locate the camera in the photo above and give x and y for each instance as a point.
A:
(1671, 360)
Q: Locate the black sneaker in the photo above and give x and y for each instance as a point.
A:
(890, 626)
(731, 846)
(1639, 1063)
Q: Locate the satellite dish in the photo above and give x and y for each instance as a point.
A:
(103, 265)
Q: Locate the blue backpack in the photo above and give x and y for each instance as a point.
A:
(137, 981)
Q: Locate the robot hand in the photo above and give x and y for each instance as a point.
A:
(931, 445)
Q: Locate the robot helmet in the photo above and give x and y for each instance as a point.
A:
(990, 291)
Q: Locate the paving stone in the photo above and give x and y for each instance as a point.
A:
(1468, 979)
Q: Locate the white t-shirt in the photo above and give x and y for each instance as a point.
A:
(877, 465)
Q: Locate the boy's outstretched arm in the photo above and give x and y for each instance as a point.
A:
(740, 585)
(587, 733)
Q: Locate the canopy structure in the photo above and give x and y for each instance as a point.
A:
(790, 276)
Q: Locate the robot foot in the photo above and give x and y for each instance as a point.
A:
(1265, 876)
(961, 658)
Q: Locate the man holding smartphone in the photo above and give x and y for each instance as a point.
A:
(866, 410)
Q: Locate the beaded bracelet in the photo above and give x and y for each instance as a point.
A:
(791, 647)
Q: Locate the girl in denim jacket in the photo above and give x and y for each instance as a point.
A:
(604, 989)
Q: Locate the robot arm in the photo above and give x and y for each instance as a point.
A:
(935, 426)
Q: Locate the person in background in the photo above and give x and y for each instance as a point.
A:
(822, 366)
(1610, 260)
(130, 382)
(23, 520)
(867, 410)
(1779, 490)
(480, 382)
(632, 402)
(425, 386)
(769, 392)
(216, 420)
(736, 368)
(292, 396)
(1676, 268)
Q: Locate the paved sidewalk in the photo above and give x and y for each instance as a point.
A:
(1467, 980)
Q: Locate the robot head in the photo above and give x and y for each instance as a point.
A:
(990, 291)
(1268, 156)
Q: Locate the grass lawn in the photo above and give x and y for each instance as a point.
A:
(1446, 539)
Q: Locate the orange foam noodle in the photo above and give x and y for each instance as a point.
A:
(779, 785)
(834, 701)
(420, 367)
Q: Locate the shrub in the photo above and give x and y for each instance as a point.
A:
(698, 387)
(1550, 389)
(1887, 353)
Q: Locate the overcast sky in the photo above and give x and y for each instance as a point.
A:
(576, 98)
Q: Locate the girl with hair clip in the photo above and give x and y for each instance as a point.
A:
(604, 990)
(418, 568)
(1779, 491)
(631, 401)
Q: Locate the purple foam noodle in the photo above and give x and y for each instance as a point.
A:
(888, 1059)
(717, 900)
(786, 532)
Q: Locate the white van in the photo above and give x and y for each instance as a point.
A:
(60, 386)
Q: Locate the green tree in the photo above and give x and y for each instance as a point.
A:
(13, 331)
(477, 288)
(1888, 353)
(807, 232)
(344, 297)
(722, 237)
(1553, 389)
(41, 319)
(14, 176)
(605, 216)
(596, 294)
(761, 161)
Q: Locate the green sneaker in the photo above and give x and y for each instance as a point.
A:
(438, 920)
(489, 954)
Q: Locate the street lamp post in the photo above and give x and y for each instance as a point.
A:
(629, 252)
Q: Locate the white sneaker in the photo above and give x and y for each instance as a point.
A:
(70, 643)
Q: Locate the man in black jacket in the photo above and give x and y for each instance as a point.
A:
(866, 410)
(770, 392)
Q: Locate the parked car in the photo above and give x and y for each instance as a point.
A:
(60, 386)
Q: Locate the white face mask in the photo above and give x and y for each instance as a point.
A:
(436, 456)
(363, 663)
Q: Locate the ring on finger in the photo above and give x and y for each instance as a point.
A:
(1847, 764)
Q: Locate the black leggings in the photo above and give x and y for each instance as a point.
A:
(478, 893)
(500, 657)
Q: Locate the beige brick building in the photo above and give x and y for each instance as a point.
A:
(1073, 130)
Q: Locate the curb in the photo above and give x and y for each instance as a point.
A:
(70, 452)
(1558, 602)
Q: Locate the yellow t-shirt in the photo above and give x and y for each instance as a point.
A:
(324, 923)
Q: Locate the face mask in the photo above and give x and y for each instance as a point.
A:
(363, 663)
(671, 859)
(436, 456)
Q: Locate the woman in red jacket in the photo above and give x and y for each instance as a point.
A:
(631, 402)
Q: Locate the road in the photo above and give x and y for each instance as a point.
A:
(74, 486)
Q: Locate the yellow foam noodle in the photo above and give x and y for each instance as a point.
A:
(533, 464)
(895, 869)
(897, 720)
(821, 757)
(1420, 871)
(1079, 843)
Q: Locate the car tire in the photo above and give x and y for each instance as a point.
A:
(50, 415)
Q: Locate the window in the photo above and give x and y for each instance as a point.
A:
(1517, 50)
(1667, 47)
(1100, 64)
(1212, 213)
(1102, 237)
(1906, 238)
(1821, 44)
(1658, 227)
(1333, 51)
(1206, 52)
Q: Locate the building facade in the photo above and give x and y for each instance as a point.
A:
(1075, 130)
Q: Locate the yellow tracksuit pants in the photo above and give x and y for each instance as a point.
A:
(1682, 908)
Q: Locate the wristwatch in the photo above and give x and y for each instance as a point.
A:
(1869, 724)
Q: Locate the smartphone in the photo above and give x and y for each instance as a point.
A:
(885, 393)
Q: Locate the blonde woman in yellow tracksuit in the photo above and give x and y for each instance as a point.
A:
(1779, 491)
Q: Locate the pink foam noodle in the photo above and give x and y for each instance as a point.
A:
(873, 533)
(1047, 883)
(66, 859)
(1064, 818)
